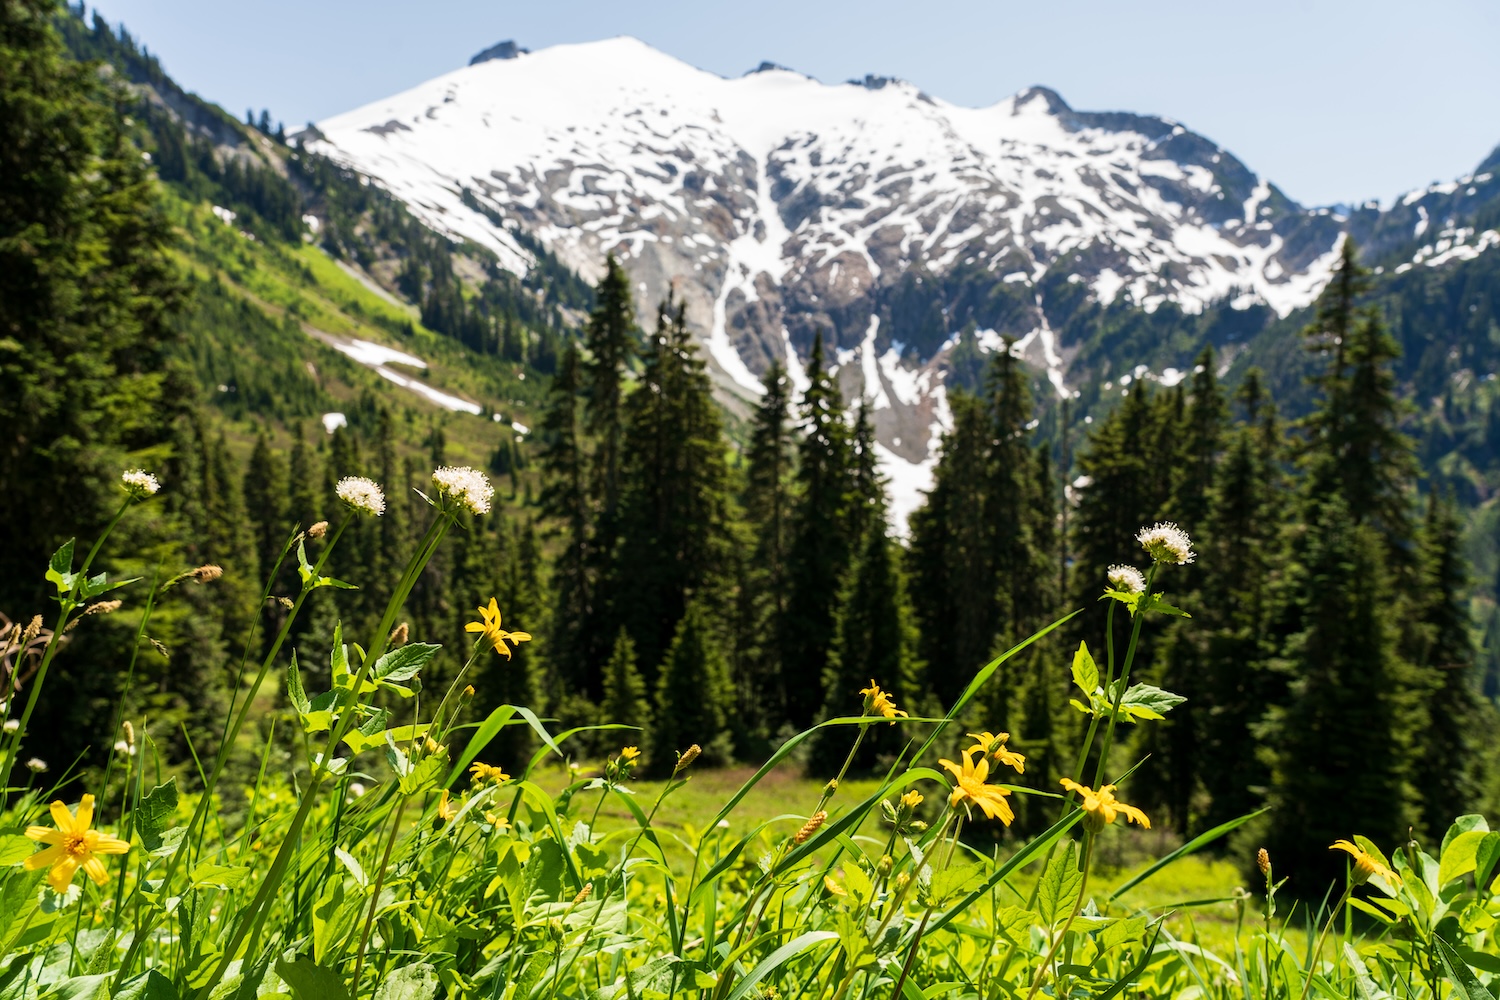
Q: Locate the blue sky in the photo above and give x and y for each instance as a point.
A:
(1332, 101)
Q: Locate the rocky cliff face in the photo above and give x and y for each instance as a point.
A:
(776, 205)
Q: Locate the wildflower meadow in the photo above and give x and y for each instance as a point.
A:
(391, 861)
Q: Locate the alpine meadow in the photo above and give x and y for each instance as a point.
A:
(585, 527)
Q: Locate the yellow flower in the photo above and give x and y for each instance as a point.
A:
(911, 799)
(73, 845)
(500, 823)
(970, 786)
(487, 772)
(1366, 866)
(834, 889)
(446, 810)
(491, 630)
(1100, 808)
(877, 702)
(629, 754)
(992, 745)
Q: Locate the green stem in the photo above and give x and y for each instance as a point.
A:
(1114, 711)
(1317, 951)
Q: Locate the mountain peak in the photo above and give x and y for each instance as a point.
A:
(1050, 99)
(507, 49)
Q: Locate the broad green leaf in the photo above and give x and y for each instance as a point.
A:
(334, 916)
(310, 981)
(1145, 701)
(1085, 671)
(402, 664)
(60, 569)
(150, 986)
(1460, 855)
(371, 734)
(82, 988)
(1485, 857)
(410, 982)
(347, 860)
(155, 812)
(1058, 889)
(778, 958)
(14, 849)
(338, 656)
(953, 879)
(1462, 825)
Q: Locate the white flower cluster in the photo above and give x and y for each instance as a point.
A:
(1164, 542)
(363, 496)
(1126, 578)
(467, 487)
(36, 765)
(139, 483)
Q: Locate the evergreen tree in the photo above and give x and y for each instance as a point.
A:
(874, 639)
(675, 513)
(768, 506)
(611, 339)
(625, 699)
(564, 500)
(87, 290)
(822, 543)
(265, 503)
(1449, 753)
(693, 695)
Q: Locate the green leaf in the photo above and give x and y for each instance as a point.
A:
(1485, 857)
(310, 981)
(150, 986)
(1085, 671)
(338, 656)
(410, 982)
(1462, 825)
(778, 958)
(1059, 885)
(334, 916)
(60, 569)
(1145, 701)
(14, 849)
(371, 734)
(81, 988)
(953, 879)
(155, 812)
(1460, 855)
(294, 690)
(1466, 985)
(402, 664)
(219, 876)
(1202, 839)
(423, 775)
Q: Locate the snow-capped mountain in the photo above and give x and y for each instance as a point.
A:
(777, 205)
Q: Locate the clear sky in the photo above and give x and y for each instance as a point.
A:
(1334, 102)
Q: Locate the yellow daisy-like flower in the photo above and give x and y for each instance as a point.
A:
(834, 889)
(992, 745)
(491, 630)
(878, 702)
(911, 799)
(500, 823)
(73, 845)
(446, 810)
(1101, 808)
(629, 755)
(969, 786)
(488, 772)
(1365, 865)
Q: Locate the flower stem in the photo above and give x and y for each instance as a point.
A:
(1114, 711)
(1041, 970)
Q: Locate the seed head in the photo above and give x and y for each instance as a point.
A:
(102, 608)
(129, 732)
(685, 758)
(399, 634)
(318, 530)
(139, 483)
(584, 893)
(1126, 578)
(810, 827)
(1263, 862)
(207, 574)
(469, 488)
(286, 603)
(33, 629)
(361, 495)
(1164, 542)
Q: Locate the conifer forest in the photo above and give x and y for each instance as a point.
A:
(612, 683)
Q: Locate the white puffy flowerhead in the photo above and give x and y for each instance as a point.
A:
(139, 483)
(1164, 542)
(467, 488)
(361, 495)
(1126, 578)
(36, 765)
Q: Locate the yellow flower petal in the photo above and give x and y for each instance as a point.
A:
(61, 816)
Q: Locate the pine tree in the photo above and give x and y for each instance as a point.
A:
(87, 290)
(265, 503)
(693, 695)
(822, 543)
(1449, 753)
(611, 339)
(564, 500)
(874, 639)
(674, 508)
(767, 504)
(625, 700)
